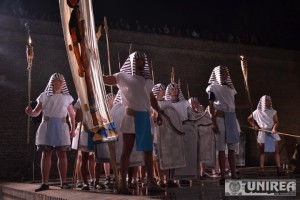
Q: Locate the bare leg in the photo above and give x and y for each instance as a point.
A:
(222, 163)
(83, 166)
(97, 172)
(261, 157)
(91, 165)
(62, 165)
(46, 166)
(128, 143)
(106, 169)
(276, 156)
(232, 163)
(148, 158)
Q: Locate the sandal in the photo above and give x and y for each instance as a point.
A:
(42, 188)
(171, 184)
(99, 186)
(65, 186)
(155, 188)
(125, 191)
(79, 185)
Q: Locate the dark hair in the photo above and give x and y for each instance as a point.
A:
(71, 5)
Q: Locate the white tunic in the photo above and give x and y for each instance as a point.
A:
(135, 94)
(224, 97)
(54, 106)
(83, 143)
(265, 121)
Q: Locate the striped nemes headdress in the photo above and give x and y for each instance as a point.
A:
(168, 95)
(215, 78)
(157, 88)
(129, 67)
(109, 96)
(118, 98)
(262, 103)
(199, 110)
(49, 88)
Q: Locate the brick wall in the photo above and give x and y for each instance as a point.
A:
(271, 71)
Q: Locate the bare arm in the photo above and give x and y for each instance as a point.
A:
(109, 80)
(212, 112)
(156, 107)
(276, 124)
(34, 113)
(71, 114)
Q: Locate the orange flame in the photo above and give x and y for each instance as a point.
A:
(29, 40)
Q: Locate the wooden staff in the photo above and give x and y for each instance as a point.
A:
(188, 90)
(99, 33)
(29, 54)
(286, 134)
(119, 60)
(77, 155)
(111, 147)
(245, 75)
(108, 51)
(130, 48)
(172, 75)
(152, 72)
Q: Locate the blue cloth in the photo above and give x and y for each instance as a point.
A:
(231, 128)
(143, 131)
(54, 131)
(269, 142)
(90, 141)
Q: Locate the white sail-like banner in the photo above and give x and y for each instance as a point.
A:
(89, 85)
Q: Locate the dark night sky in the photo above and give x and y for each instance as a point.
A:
(276, 20)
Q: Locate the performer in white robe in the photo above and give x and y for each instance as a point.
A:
(190, 171)
(265, 117)
(53, 133)
(222, 109)
(136, 91)
(85, 157)
(117, 113)
(206, 137)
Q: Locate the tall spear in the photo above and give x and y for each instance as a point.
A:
(111, 147)
(130, 49)
(172, 75)
(244, 66)
(119, 60)
(108, 52)
(188, 91)
(152, 72)
(29, 54)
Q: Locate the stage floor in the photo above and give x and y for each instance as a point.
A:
(207, 188)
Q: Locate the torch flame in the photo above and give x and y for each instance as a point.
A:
(29, 40)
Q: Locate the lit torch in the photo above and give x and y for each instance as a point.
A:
(245, 74)
(29, 54)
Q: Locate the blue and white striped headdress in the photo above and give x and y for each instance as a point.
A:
(168, 95)
(215, 78)
(261, 106)
(199, 110)
(109, 96)
(118, 98)
(130, 65)
(157, 88)
(49, 88)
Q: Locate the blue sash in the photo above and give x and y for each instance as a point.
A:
(143, 131)
(269, 142)
(90, 141)
(54, 131)
(231, 128)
